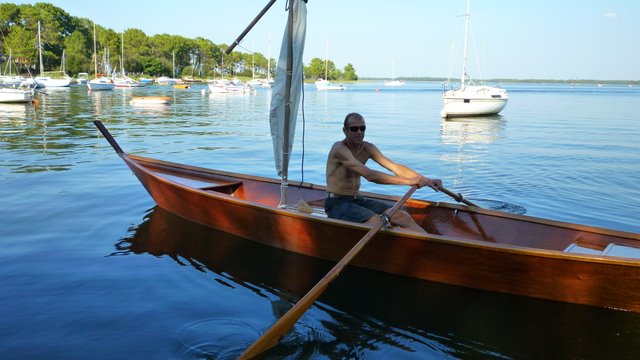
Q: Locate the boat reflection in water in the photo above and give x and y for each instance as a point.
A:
(472, 130)
(395, 317)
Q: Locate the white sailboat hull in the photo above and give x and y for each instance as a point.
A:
(101, 84)
(15, 96)
(322, 85)
(474, 101)
(394, 83)
(53, 82)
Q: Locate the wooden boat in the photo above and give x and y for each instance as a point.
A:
(150, 100)
(467, 246)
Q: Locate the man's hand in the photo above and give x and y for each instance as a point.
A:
(435, 184)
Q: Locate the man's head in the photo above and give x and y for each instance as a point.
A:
(354, 127)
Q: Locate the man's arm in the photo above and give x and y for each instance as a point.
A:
(403, 171)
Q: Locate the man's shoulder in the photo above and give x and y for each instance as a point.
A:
(338, 145)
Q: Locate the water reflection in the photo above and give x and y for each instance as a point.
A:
(472, 130)
(365, 312)
(17, 112)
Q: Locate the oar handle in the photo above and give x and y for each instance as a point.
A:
(457, 197)
(273, 335)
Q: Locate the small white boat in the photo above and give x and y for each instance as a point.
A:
(322, 84)
(472, 100)
(83, 78)
(50, 81)
(101, 84)
(224, 86)
(150, 100)
(165, 80)
(255, 82)
(8, 79)
(393, 81)
(127, 82)
(16, 95)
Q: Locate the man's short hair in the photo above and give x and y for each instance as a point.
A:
(351, 115)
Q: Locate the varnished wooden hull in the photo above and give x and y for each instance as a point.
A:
(470, 247)
(467, 246)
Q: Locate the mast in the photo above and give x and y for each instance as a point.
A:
(253, 63)
(464, 56)
(173, 63)
(95, 54)
(326, 61)
(269, 59)
(393, 69)
(122, 55)
(40, 51)
(287, 111)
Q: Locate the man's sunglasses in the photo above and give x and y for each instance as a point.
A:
(356, 128)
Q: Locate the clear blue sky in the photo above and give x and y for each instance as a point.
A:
(525, 39)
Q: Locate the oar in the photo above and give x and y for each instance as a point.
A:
(273, 335)
(457, 197)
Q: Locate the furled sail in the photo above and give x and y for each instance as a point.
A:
(282, 124)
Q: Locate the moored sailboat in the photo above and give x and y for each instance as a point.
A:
(471, 99)
(100, 82)
(51, 78)
(394, 81)
(325, 84)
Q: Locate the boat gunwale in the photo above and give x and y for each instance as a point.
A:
(139, 161)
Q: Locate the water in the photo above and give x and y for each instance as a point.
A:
(90, 268)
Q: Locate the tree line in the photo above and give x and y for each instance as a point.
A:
(157, 55)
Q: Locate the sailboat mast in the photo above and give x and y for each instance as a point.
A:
(40, 51)
(253, 63)
(95, 53)
(122, 55)
(326, 61)
(464, 56)
(287, 111)
(269, 60)
(393, 69)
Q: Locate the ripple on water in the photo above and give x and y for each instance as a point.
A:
(225, 338)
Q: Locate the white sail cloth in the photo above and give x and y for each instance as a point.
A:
(281, 150)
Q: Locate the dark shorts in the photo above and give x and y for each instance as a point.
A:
(357, 209)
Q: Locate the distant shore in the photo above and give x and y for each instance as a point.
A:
(532, 81)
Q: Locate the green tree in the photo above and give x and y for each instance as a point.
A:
(154, 67)
(9, 18)
(22, 45)
(315, 70)
(349, 73)
(136, 48)
(77, 53)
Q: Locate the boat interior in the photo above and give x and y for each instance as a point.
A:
(440, 219)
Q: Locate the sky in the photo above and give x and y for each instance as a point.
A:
(509, 39)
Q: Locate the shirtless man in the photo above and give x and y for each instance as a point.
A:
(346, 165)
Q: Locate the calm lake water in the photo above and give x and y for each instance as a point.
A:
(91, 268)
